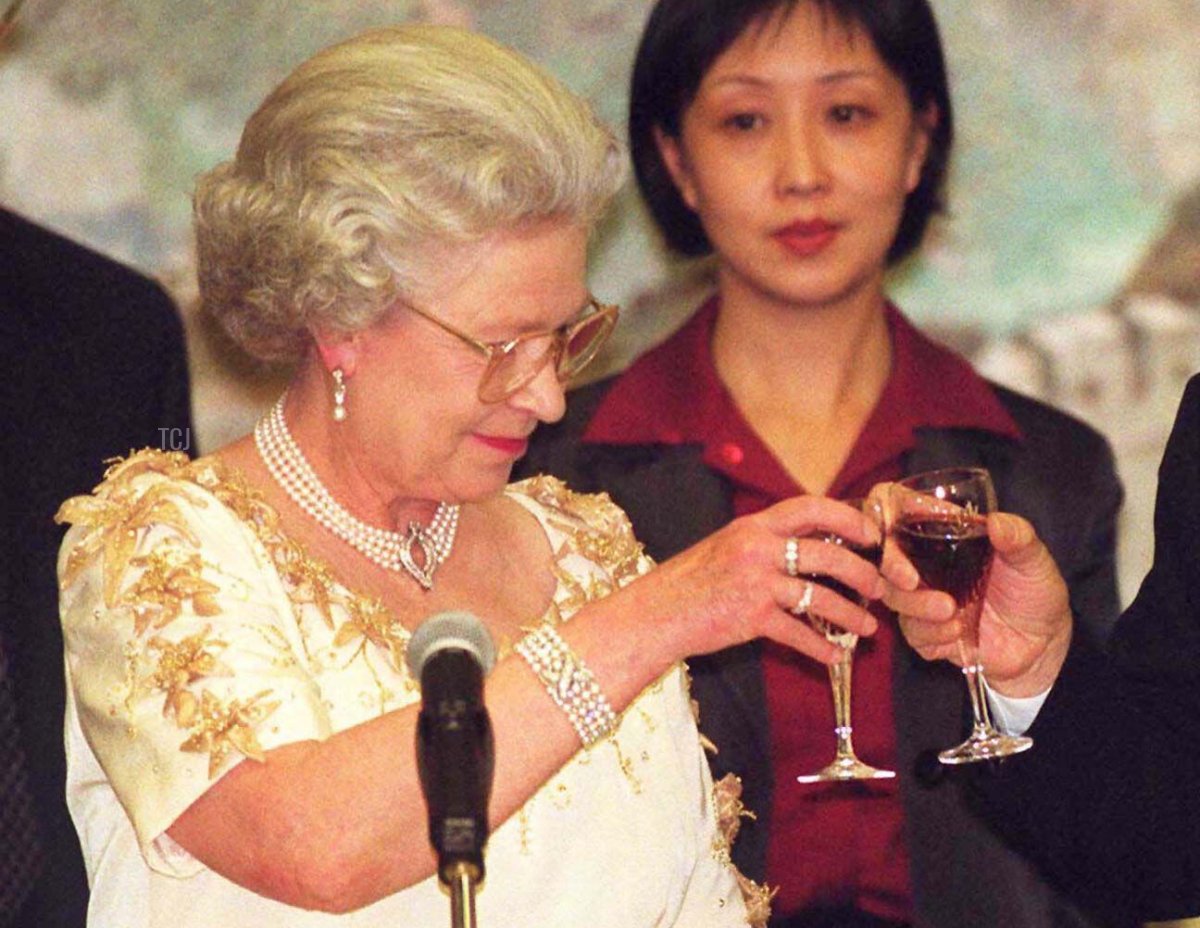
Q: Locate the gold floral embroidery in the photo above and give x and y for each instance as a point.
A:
(758, 900)
(592, 525)
(523, 829)
(182, 663)
(561, 795)
(626, 766)
(647, 720)
(372, 622)
(307, 580)
(115, 505)
(221, 729)
(574, 591)
(234, 494)
(118, 515)
(618, 550)
(727, 802)
(170, 579)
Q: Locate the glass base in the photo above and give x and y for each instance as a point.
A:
(985, 747)
(846, 768)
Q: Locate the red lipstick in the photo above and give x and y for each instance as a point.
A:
(512, 447)
(808, 237)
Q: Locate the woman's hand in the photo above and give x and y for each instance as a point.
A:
(734, 586)
(1025, 623)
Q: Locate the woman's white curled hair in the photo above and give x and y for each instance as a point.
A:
(370, 154)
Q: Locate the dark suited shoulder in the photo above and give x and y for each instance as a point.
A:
(50, 270)
(1046, 428)
(1159, 635)
(1042, 422)
(103, 353)
(1064, 480)
(91, 330)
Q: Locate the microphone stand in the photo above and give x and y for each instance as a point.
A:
(462, 879)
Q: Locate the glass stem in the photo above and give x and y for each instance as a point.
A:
(977, 688)
(839, 681)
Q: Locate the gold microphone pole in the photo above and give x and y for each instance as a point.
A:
(463, 877)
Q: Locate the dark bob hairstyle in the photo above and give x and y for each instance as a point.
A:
(683, 38)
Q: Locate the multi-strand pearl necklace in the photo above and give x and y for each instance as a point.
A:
(388, 549)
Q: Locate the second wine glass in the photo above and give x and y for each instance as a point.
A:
(845, 765)
(940, 523)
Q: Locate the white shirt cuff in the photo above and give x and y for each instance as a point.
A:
(1014, 714)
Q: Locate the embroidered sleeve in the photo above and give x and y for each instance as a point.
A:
(588, 529)
(182, 651)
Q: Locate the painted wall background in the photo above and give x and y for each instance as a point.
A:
(1069, 266)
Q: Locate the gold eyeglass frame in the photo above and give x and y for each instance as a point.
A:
(496, 352)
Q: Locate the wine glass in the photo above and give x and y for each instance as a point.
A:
(940, 523)
(845, 764)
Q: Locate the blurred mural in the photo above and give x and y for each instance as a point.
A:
(1069, 266)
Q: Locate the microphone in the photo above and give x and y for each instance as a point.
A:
(450, 654)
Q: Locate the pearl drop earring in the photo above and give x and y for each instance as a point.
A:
(339, 395)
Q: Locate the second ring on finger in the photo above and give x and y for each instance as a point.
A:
(791, 556)
(804, 603)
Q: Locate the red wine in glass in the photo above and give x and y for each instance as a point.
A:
(953, 555)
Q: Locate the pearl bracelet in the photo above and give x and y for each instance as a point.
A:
(569, 683)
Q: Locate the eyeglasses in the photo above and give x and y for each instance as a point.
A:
(513, 364)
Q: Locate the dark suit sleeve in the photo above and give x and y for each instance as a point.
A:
(1107, 801)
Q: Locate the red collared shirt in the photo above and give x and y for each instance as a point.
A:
(830, 844)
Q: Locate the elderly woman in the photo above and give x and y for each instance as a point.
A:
(406, 218)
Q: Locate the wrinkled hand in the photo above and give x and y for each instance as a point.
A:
(733, 586)
(1025, 624)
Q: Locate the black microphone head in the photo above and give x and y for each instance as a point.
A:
(449, 655)
(450, 630)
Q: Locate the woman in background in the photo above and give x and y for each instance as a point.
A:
(803, 144)
(406, 219)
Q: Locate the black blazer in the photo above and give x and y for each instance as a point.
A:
(1108, 801)
(1061, 477)
(95, 366)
